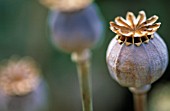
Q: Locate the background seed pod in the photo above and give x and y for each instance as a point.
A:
(34, 101)
(21, 85)
(66, 5)
(133, 66)
(3, 101)
(75, 31)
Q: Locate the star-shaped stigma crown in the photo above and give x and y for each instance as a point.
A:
(19, 76)
(134, 30)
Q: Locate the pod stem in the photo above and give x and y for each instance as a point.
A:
(140, 102)
(82, 60)
(140, 97)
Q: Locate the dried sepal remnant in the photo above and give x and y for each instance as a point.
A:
(136, 40)
(66, 5)
(135, 30)
(19, 76)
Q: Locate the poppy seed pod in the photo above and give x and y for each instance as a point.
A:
(3, 101)
(36, 100)
(137, 56)
(66, 5)
(76, 31)
(23, 89)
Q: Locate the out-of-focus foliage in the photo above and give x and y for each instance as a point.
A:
(24, 31)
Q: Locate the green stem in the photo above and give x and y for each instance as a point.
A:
(83, 66)
(140, 97)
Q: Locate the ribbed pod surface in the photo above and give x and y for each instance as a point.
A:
(134, 66)
(75, 31)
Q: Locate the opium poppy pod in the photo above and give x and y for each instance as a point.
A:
(21, 86)
(66, 5)
(33, 101)
(77, 30)
(137, 56)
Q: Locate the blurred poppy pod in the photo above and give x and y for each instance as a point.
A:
(3, 101)
(137, 56)
(22, 86)
(76, 31)
(66, 5)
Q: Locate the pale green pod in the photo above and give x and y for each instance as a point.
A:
(135, 66)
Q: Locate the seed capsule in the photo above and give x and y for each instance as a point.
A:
(21, 86)
(66, 5)
(3, 101)
(137, 56)
(76, 31)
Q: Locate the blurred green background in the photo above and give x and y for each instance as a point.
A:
(24, 32)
